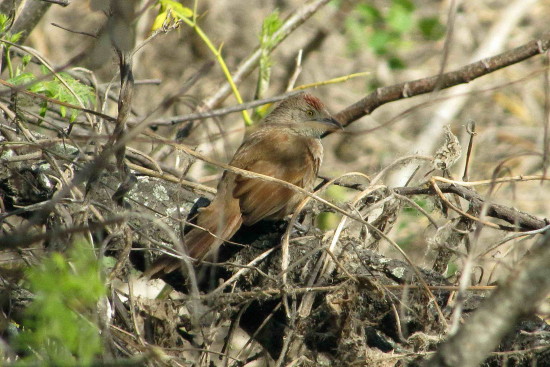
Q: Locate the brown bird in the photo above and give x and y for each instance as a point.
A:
(286, 145)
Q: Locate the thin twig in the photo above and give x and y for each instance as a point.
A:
(471, 129)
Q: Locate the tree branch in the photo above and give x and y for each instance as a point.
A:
(463, 75)
(524, 221)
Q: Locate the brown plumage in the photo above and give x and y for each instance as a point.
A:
(287, 146)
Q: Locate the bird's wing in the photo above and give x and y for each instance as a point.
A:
(217, 222)
(260, 199)
(276, 153)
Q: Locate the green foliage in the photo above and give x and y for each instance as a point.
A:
(270, 25)
(172, 7)
(400, 16)
(5, 34)
(60, 328)
(55, 89)
(421, 201)
(410, 220)
(22, 78)
(5, 24)
(452, 269)
(386, 31)
(338, 193)
(431, 28)
(327, 221)
(52, 88)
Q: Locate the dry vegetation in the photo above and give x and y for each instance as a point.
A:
(396, 259)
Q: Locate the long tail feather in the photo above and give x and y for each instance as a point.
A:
(220, 219)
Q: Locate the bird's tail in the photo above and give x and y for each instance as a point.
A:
(215, 224)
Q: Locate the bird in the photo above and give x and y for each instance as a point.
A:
(285, 145)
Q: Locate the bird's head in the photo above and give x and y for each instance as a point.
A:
(305, 115)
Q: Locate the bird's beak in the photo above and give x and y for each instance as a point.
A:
(332, 124)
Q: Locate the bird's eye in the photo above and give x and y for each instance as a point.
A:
(309, 113)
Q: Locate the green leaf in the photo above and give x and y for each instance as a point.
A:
(379, 41)
(396, 63)
(431, 28)
(26, 59)
(13, 38)
(271, 24)
(56, 90)
(368, 13)
(422, 202)
(178, 9)
(405, 4)
(159, 20)
(337, 193)
(400, 18)
(59, 325)
(326, 221)
(43, 109)
(4, 23)
(452, 268)
(74, 114)
(22, 78)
